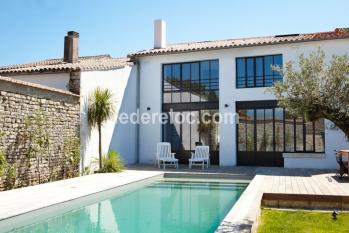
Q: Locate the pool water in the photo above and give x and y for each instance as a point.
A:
(162, 206)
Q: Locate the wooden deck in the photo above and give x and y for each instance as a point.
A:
(278, 180)
(280, 187)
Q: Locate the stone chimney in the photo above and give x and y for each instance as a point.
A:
(71, 47)
(159, 34)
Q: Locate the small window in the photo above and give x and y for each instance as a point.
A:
(257, 71)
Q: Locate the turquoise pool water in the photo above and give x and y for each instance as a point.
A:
(162, 206)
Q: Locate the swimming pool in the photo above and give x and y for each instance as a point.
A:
(167, 205)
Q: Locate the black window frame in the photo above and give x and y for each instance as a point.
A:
(212, 82)
(255, 105)
(246, 78)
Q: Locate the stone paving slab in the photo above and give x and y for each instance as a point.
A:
(19, 201)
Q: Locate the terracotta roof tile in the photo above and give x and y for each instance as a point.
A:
(101, 62)
(338, 33)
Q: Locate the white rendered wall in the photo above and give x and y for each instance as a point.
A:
(55, 80)
(115, 136)
(151, 96)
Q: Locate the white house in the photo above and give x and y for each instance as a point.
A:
(197, 78)
(82, 75)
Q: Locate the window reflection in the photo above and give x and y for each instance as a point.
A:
(191, 82)
(274, 130)
(257, 71)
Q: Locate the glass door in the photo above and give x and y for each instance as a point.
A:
(186, 129)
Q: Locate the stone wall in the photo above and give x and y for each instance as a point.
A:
(61, 110)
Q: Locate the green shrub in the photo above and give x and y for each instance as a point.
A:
(3, 162)
(111, 162)
(71, 148)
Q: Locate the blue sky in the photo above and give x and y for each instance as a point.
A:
(34, 29)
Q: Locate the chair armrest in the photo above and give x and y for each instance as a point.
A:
(173, 155)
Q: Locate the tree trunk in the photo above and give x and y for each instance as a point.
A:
(100, 145)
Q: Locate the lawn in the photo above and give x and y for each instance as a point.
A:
(302, 222)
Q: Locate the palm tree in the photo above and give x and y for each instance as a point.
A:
(100, 109)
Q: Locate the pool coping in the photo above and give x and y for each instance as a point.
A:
(243, 216)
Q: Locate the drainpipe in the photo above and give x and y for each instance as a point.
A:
(138, 64)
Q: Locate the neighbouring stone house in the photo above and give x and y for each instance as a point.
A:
(59, 113)
(81, 75)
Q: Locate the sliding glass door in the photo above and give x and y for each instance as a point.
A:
(265, 132)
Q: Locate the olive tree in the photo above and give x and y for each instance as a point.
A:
(316, 88)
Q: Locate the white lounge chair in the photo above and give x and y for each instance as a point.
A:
(201, 156)
(164, 155)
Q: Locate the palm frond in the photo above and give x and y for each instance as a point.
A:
(100, 107)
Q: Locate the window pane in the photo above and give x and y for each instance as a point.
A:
(250, 130)
(279, 129)
(241, 67)
(176, 72)
(309, 142)
(289, 133)
(261, 145)
(241, 82)
(269, 143)
(205, 70)
(167, 77)
(299, 134)
(214, 69)
(250, 67)
(185, 72)
(259, 72)
(195, 83)
(175, 83)
(242, 130)
(175, 133)
(268, 62)
(185, 86)
(186, 131)
(268, 81)
(259, 66)
(277, 62)
(195, 135)
(194, 71)
(167, 83)
(167, 97)
(320, 135)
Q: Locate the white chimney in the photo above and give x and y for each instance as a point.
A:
(159, 34)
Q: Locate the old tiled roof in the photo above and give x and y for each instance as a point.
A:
(101, 62)
(338, 33)
(37, 86)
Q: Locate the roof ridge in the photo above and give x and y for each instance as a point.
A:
(338, 33)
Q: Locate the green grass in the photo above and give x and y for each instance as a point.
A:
(302, 222)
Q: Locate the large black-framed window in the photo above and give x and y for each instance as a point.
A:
(257, 71)
(271, 129)
(189, 82)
